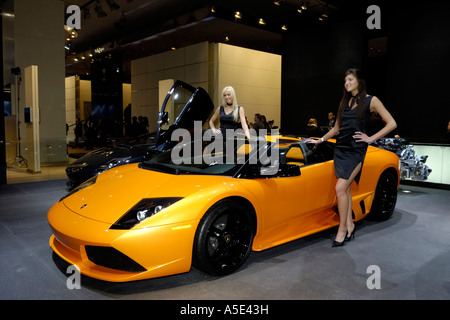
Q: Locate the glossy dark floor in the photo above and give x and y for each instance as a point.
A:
(410, 252)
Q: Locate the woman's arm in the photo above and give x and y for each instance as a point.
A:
(213, 119)
(244, 122)
(330, 134)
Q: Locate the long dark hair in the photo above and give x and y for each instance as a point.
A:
(360, 97)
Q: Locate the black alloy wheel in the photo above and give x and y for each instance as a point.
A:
(224, 238)
(385, 196)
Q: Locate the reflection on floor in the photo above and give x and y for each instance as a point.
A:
(18, 173)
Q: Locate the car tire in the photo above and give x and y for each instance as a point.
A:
(224, 238)
(385, 196)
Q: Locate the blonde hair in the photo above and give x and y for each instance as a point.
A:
(235, 104)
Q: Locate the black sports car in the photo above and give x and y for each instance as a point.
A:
(183, 105)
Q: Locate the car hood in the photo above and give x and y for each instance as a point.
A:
(107, 154)
(119, 189)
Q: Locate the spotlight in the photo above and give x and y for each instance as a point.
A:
(323, 17)
(237, 15)
(262, 22)
(304, 5)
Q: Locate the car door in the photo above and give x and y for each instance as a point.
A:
(296, 206)
(182, 106)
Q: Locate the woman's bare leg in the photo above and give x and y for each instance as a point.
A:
(344, 198)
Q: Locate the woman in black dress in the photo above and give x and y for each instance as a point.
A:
(351, 144)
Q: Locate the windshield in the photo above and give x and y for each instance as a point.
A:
(238, 157)
(213, 156)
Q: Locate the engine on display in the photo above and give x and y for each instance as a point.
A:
(412, 166)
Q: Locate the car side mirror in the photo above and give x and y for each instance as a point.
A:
(280, 170)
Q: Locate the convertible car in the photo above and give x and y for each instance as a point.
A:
(209, 207)
(182, 106)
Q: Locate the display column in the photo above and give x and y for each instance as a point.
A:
(32, 108)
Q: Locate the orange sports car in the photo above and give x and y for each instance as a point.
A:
(209, 205)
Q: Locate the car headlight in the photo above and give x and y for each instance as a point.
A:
(142, 211)
(85, 184)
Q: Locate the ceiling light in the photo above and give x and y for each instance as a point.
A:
(70, 33)
(262, 22)
(283, 27)
(323, 17)
(304, 5)
(237, 15)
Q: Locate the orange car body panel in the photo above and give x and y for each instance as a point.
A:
(286, 209)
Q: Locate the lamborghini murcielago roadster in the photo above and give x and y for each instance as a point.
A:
(208, 205)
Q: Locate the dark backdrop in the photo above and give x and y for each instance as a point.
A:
(107, 101)
(410, 75)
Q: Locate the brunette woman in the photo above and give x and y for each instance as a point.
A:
(351, 144)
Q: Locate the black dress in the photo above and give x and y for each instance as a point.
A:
(227, 120)
(347, 152)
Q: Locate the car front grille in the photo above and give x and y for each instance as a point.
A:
(111, 258)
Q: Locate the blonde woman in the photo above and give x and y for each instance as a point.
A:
(229, 113)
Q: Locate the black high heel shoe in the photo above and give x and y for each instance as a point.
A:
(337, 243)
(351, 235)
